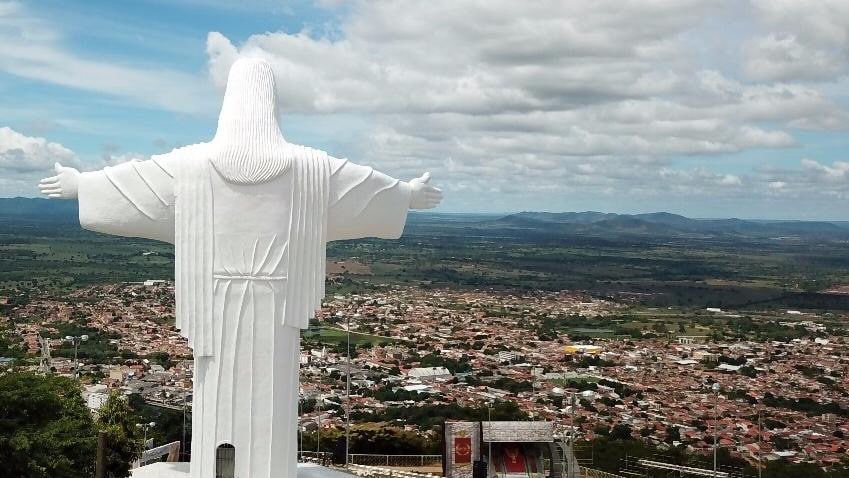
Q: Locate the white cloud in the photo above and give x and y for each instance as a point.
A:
(508, 101)
(804, 40)
(837, 173)
(549, 96)
(25, 154)
(24, 160)
(811, 179)
(783, 57)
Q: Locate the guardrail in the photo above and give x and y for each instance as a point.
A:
(171, 450)
(685, 470)
(319, 457)
(593, 473)
(395, 461)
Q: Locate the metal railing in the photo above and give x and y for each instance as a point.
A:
(396, 461)
(170, 451)
(320, 457)
(593, 473)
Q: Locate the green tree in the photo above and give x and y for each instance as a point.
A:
(169, 422)
(46, 430)
(620, 432)
(123, 443)
(673, 434)
(161, 358)
(785, 469)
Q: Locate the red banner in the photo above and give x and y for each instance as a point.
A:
(462, 450)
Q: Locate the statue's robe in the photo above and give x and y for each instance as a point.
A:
(250, 264)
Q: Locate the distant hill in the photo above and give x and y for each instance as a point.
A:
(655, 225)
(667, 224)
(38, 209)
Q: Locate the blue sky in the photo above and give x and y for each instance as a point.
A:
(701, 107)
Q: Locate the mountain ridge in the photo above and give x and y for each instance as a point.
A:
(588, 223)
(664, 223)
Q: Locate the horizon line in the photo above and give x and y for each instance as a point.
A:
(510, 213)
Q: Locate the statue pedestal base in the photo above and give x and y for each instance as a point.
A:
(181, 470)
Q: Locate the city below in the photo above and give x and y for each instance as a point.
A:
(648, 372)
(651, 338)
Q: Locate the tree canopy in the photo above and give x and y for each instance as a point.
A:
(46, 430)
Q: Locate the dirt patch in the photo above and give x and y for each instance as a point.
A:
(839, 289)
(348, 267)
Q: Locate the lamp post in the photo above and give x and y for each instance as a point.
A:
(76, 339)
(569, 460)
(490, 471)
(348, 391)
(145, 427)
(716, 388)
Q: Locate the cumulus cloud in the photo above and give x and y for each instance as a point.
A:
(26, 154)
(803, 40)
(783, 57)
(508, 102)
(811, 179)
(562, 94)
(24, 160)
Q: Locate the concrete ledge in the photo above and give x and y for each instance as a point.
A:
(181, 470)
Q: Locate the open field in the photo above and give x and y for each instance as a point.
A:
(755, 266)
(334, 336)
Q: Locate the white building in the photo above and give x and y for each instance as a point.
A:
(429, 373)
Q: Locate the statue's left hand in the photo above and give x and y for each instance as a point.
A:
(424, 196)
(62, 186)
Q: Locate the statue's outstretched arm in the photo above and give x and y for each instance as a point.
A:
(134, 199)
(368, 203)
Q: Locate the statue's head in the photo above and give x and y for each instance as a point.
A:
(249, 143)
(250, 93)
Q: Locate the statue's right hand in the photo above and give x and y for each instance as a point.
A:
(61, 186)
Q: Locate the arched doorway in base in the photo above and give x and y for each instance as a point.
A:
(225, 461)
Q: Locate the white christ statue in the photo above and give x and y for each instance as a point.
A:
(249, 215)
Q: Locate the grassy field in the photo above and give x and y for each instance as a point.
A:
(333, 336)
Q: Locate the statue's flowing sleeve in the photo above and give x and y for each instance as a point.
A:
(365, 203)
(134, 199)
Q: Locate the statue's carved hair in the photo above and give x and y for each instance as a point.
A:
(248, 147)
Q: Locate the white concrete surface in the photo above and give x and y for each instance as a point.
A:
(181, 470)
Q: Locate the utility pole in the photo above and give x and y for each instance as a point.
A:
(490, 471)
(716, 389)
(760, 441)
(348, 392)
(100, 460)
(533, 402)
(184, 424)
(300, 430)
(318, 428)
